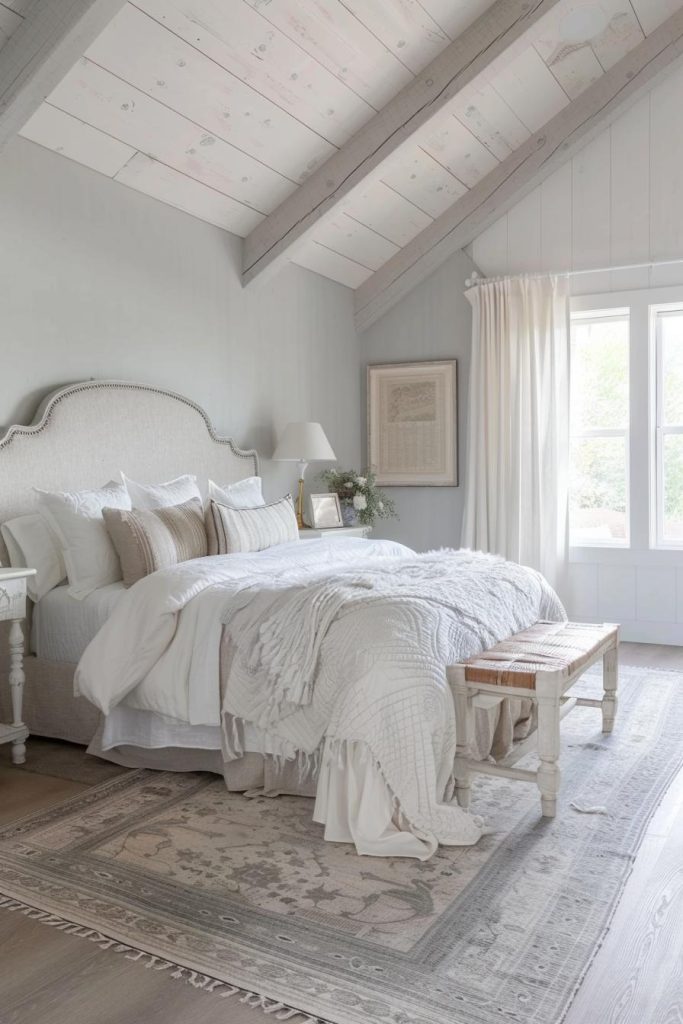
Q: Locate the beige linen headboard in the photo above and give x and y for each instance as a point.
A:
(84, 434)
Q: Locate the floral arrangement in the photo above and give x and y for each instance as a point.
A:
(360, 498)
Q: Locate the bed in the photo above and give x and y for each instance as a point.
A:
(368, 728)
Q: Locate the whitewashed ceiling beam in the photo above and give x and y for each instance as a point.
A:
(417, 103)
(525, 168)
(42, 50)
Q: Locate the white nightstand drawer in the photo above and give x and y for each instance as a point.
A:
(12, 599)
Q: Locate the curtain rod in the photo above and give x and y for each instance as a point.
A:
(475, 279)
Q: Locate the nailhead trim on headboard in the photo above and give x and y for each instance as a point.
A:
(53, 400)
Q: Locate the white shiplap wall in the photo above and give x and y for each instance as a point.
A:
(619, 201)
(100, 281)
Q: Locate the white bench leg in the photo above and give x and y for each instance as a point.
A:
(610, 680)
(461, 771)
(548, 776)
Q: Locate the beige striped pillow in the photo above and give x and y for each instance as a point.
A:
(155, 538)
(252, 529)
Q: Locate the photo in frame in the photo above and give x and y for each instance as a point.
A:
(413, 423)
(325, 511)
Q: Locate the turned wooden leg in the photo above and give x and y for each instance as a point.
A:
(610, 680)
(548, 775)
(16, 682)
(461, 771)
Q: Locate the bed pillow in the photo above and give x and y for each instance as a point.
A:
(173, 492)
(246, 493)
(76, 518)
(156, 538)
(30, 542)
(253, 529)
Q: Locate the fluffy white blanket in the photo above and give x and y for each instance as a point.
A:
(345, 642)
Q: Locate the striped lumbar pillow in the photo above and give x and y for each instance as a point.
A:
(252, 529)
(155, 538)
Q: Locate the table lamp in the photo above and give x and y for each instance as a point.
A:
(303, 443)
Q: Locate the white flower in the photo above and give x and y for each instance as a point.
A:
(360, 502)
(361, 481)
(348, 484)
(380, 505)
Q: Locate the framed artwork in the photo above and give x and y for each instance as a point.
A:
(325, 511)
(413, 423)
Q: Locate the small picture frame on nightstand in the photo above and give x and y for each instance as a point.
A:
(325, 512)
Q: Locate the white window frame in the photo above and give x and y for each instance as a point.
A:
(658, 429)
(642, 552)
(609, 312)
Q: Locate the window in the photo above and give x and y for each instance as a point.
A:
(599, 454)
(667, 323)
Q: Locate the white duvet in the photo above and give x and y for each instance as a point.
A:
(343, 643)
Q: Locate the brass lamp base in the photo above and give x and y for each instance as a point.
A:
(300, 505)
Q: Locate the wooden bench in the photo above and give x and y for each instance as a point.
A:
(542, 664)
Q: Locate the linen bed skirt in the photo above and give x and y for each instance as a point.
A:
(52, 710)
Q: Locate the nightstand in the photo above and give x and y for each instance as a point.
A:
(308, 533)
(13, 609)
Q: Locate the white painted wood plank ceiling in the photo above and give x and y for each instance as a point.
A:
(222, 108)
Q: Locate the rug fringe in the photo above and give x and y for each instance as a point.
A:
(150, 961)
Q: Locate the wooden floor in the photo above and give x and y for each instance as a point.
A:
(47, 977)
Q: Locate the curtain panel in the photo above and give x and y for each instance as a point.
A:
(518, 425)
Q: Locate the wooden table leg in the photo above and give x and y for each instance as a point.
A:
(548, 775)
(16, 682)
(610, 681)
(461, 771)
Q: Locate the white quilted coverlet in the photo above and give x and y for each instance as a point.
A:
(356, 659)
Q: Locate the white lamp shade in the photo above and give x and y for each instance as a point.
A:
(304, 442)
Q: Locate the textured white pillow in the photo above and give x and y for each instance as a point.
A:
(253, 529)
(245, 493)
(30, 542)
(76, 517)
(173, 492)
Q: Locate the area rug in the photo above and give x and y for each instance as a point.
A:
(243, 895)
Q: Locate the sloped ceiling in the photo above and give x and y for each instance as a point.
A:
(223, 108)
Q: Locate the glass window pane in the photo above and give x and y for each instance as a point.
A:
(673, 487)
(671, 334)
(597, 506)
(599, 374)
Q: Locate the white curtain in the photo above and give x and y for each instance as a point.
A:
(518, 434)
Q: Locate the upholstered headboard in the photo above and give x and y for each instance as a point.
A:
(84, 434)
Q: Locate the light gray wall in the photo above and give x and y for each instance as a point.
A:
(433, 322)
(97, 280)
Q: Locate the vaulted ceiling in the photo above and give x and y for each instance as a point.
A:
(234, 110)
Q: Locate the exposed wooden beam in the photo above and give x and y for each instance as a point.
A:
(54, 34)
(521, 172)
(417, 103)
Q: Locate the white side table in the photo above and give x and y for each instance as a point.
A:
(13, 609)
(309, 533)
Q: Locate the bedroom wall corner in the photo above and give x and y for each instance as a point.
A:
(433, 322)
(98, 280)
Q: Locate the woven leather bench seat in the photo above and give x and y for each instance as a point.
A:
(564, 647)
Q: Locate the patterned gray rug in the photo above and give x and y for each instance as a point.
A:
(237, 894)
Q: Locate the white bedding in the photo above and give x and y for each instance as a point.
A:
(378, 694)
(63, 625)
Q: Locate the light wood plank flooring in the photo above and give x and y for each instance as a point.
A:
(47, 977)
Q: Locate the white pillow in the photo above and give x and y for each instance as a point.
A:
(76, 517)
(252, 529)
(245, 493)
(30, 542)
(173, 492)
